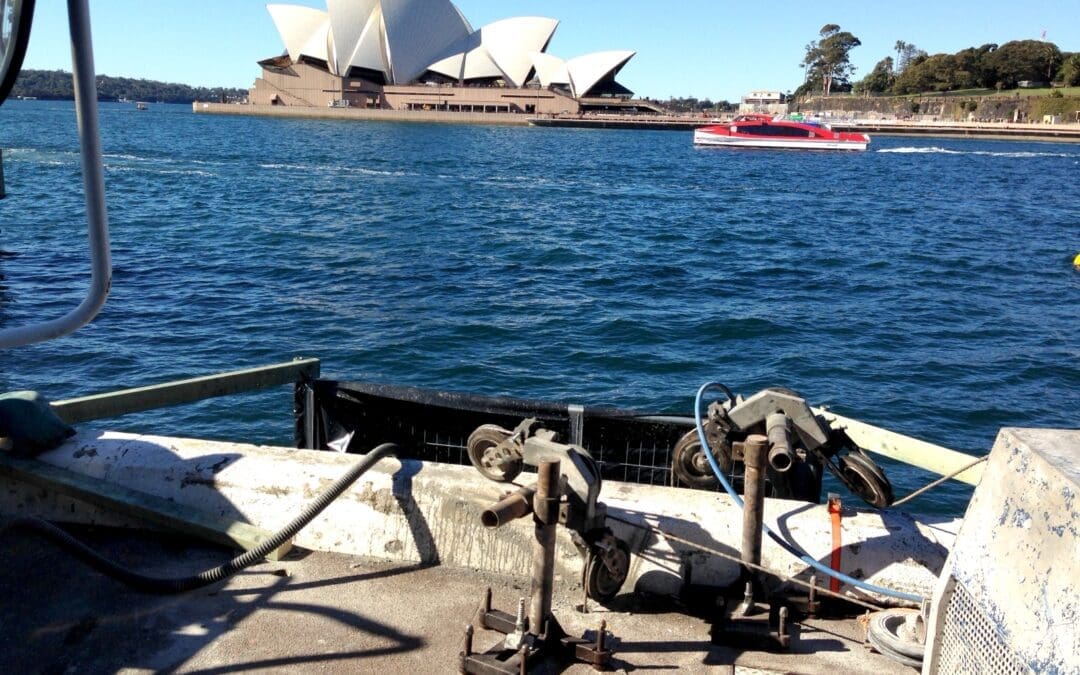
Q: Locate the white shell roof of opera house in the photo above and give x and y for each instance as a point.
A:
(403, 39)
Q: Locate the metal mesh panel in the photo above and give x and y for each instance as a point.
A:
(435, 426)
(969, 641)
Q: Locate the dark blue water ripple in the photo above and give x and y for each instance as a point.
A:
(925, 285)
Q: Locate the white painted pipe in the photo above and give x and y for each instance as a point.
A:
(86, 111)
(934, 458)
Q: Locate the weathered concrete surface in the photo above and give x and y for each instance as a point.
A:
(414, 512)
(1018, 556)
(329, 613)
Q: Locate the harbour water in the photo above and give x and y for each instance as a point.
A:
(925, 286)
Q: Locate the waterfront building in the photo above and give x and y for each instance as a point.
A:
(765, 102)
(424, 55)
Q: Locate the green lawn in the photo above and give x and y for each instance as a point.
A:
(1007, 93)
(972, 93)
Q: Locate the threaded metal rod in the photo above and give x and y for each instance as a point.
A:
(546, 519)
(753, 497)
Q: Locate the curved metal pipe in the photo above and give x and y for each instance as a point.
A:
(86, 112)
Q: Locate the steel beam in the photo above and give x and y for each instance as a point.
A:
(125, 401)
(933, 458)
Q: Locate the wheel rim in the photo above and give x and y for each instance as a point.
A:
(602, 584)
(866, 480)
(491, 456)
(690, 465)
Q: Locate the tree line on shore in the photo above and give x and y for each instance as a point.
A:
(828, 68)
(57, 84)
(690, 104)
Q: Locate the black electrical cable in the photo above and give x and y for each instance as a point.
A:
(148, 584)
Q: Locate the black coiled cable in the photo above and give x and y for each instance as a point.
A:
(148, 584)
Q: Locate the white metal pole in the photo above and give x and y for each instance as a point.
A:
(86, 112)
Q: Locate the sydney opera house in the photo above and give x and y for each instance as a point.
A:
(424, 55)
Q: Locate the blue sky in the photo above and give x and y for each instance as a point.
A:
(708, 49)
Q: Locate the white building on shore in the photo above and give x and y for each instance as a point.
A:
(424, 55)
(766, 102)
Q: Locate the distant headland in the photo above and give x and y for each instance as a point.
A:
(57, 85)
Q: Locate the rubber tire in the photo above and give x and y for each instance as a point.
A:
(598, 584)
(682, 465)
(882, 634)
(866, 480)
(480, 441)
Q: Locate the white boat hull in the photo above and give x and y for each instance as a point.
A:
(705, 138)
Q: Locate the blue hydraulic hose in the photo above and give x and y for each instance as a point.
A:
(793, 550)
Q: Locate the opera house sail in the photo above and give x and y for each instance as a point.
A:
(425, 55)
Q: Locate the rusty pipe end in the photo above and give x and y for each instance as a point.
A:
(515, 505)
(755, 442)
(781, 457)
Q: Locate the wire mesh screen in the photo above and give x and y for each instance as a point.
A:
(435, 426)
(969, 642)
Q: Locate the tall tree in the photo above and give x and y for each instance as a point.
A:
(974, 71)
(900, 46)
(907, 54)
(1021, 60)
(828, 60)
(1069, 74)
(880, 78)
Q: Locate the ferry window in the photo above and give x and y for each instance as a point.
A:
(772, 130)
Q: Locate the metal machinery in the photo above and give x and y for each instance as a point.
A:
(756, 618)
(500, 455)
(781, 447)
(536, 634)
(801, 445)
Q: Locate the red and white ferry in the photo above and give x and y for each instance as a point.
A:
(763, 131)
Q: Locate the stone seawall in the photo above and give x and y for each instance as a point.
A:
(361, 114)
(957, 108)
(884, 127)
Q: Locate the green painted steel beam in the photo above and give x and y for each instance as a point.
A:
(125, 401)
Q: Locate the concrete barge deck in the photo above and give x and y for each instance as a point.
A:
(388, 576)
(331, 613)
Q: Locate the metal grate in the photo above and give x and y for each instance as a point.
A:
(634, 464)
(969, 641)
(435, 426)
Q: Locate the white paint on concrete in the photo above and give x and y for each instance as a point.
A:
(412, 511)
(1017, 556)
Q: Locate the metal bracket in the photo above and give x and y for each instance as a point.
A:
(583, 511)
(553, 643)
(758, 407)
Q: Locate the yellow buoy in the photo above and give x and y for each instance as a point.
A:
(1076, 261)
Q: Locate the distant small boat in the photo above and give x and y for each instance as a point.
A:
(763, 131)
(123, 99)
(141, 106)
